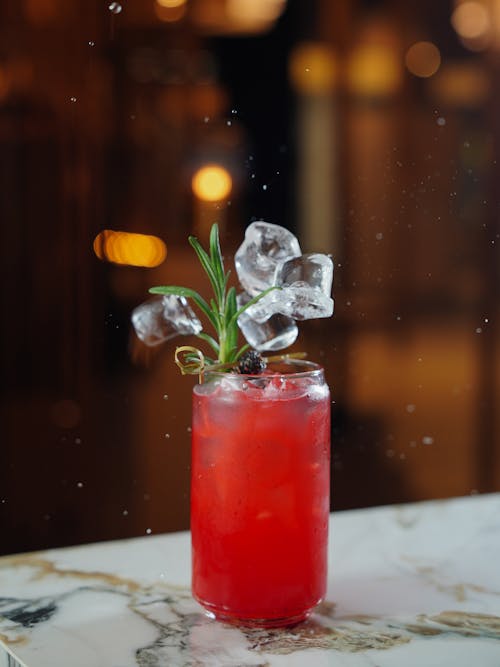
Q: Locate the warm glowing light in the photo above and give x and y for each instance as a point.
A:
(212, 183)
(170, 3)
(374, 70)
(313, 68)
(471, 20)
(423, 59)
(170, 10)
(462, 85)
(130, 249)
(254, 12)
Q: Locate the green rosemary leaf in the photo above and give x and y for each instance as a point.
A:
(190, 294)
(211, 341)
(206, 263)
(216, 256)
(231, 331)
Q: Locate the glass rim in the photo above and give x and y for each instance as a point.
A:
(307, 369)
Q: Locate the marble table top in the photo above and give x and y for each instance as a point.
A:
(409, 585)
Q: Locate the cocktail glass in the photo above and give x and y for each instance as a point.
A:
(260, 486)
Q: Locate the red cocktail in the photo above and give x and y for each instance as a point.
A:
(260, 493)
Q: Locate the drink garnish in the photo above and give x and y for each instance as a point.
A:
(222, 312)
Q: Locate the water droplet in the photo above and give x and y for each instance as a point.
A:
(252, 175)
(486, 320)
(167, 435)
(410, 408)
(79, 484)
(78, 441)
(379, 236)
(234, 111)
(427, 440)
(125, 512)
(189, 429)
(165, 397)
(148, 531)
(479, 330)
(206, 119)
(115, 7)
(72, 100)
(229, 123)
(264, 187)
(441, 121)
(91, 43)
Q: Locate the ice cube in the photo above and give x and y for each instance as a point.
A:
(275, 333)
(163, 317)
(299, 301)
(314, 269)
(264, 248)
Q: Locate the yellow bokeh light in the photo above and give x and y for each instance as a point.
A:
(254, 11)
(169, 4)
(471, 20)
(130, 249)
(212, 183)
(423, 59)
(374, 70)
(313, 68)
(170, 10)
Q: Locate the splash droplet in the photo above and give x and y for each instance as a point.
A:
(167, 435)
(441, 121)
(148, 531)
(427, 440)
(165, 397)
(72, 99)
(91, 43)
(115, 7)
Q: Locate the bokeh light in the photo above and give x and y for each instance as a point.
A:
(471, 20)
(423, 59)
(130, 249)
(374, 70)
(170, 10)
(212, 183)
(465, 85)
(254, 12)
(313, 68)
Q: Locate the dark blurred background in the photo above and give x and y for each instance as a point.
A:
(370, 129)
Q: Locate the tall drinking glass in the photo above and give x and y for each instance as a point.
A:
(260, 486)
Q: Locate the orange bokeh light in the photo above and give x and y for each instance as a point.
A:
(212, 183)
(130, 249)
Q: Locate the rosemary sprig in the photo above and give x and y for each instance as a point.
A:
(222, 312)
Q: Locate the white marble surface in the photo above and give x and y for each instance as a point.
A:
(412, 585)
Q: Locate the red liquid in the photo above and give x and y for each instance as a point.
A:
(260, 500)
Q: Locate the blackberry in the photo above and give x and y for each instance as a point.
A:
(251, 363)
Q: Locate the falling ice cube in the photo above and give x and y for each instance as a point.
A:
(265, 247)
(275, 333)
(299, 301)
(163, 317)
(313, 269)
